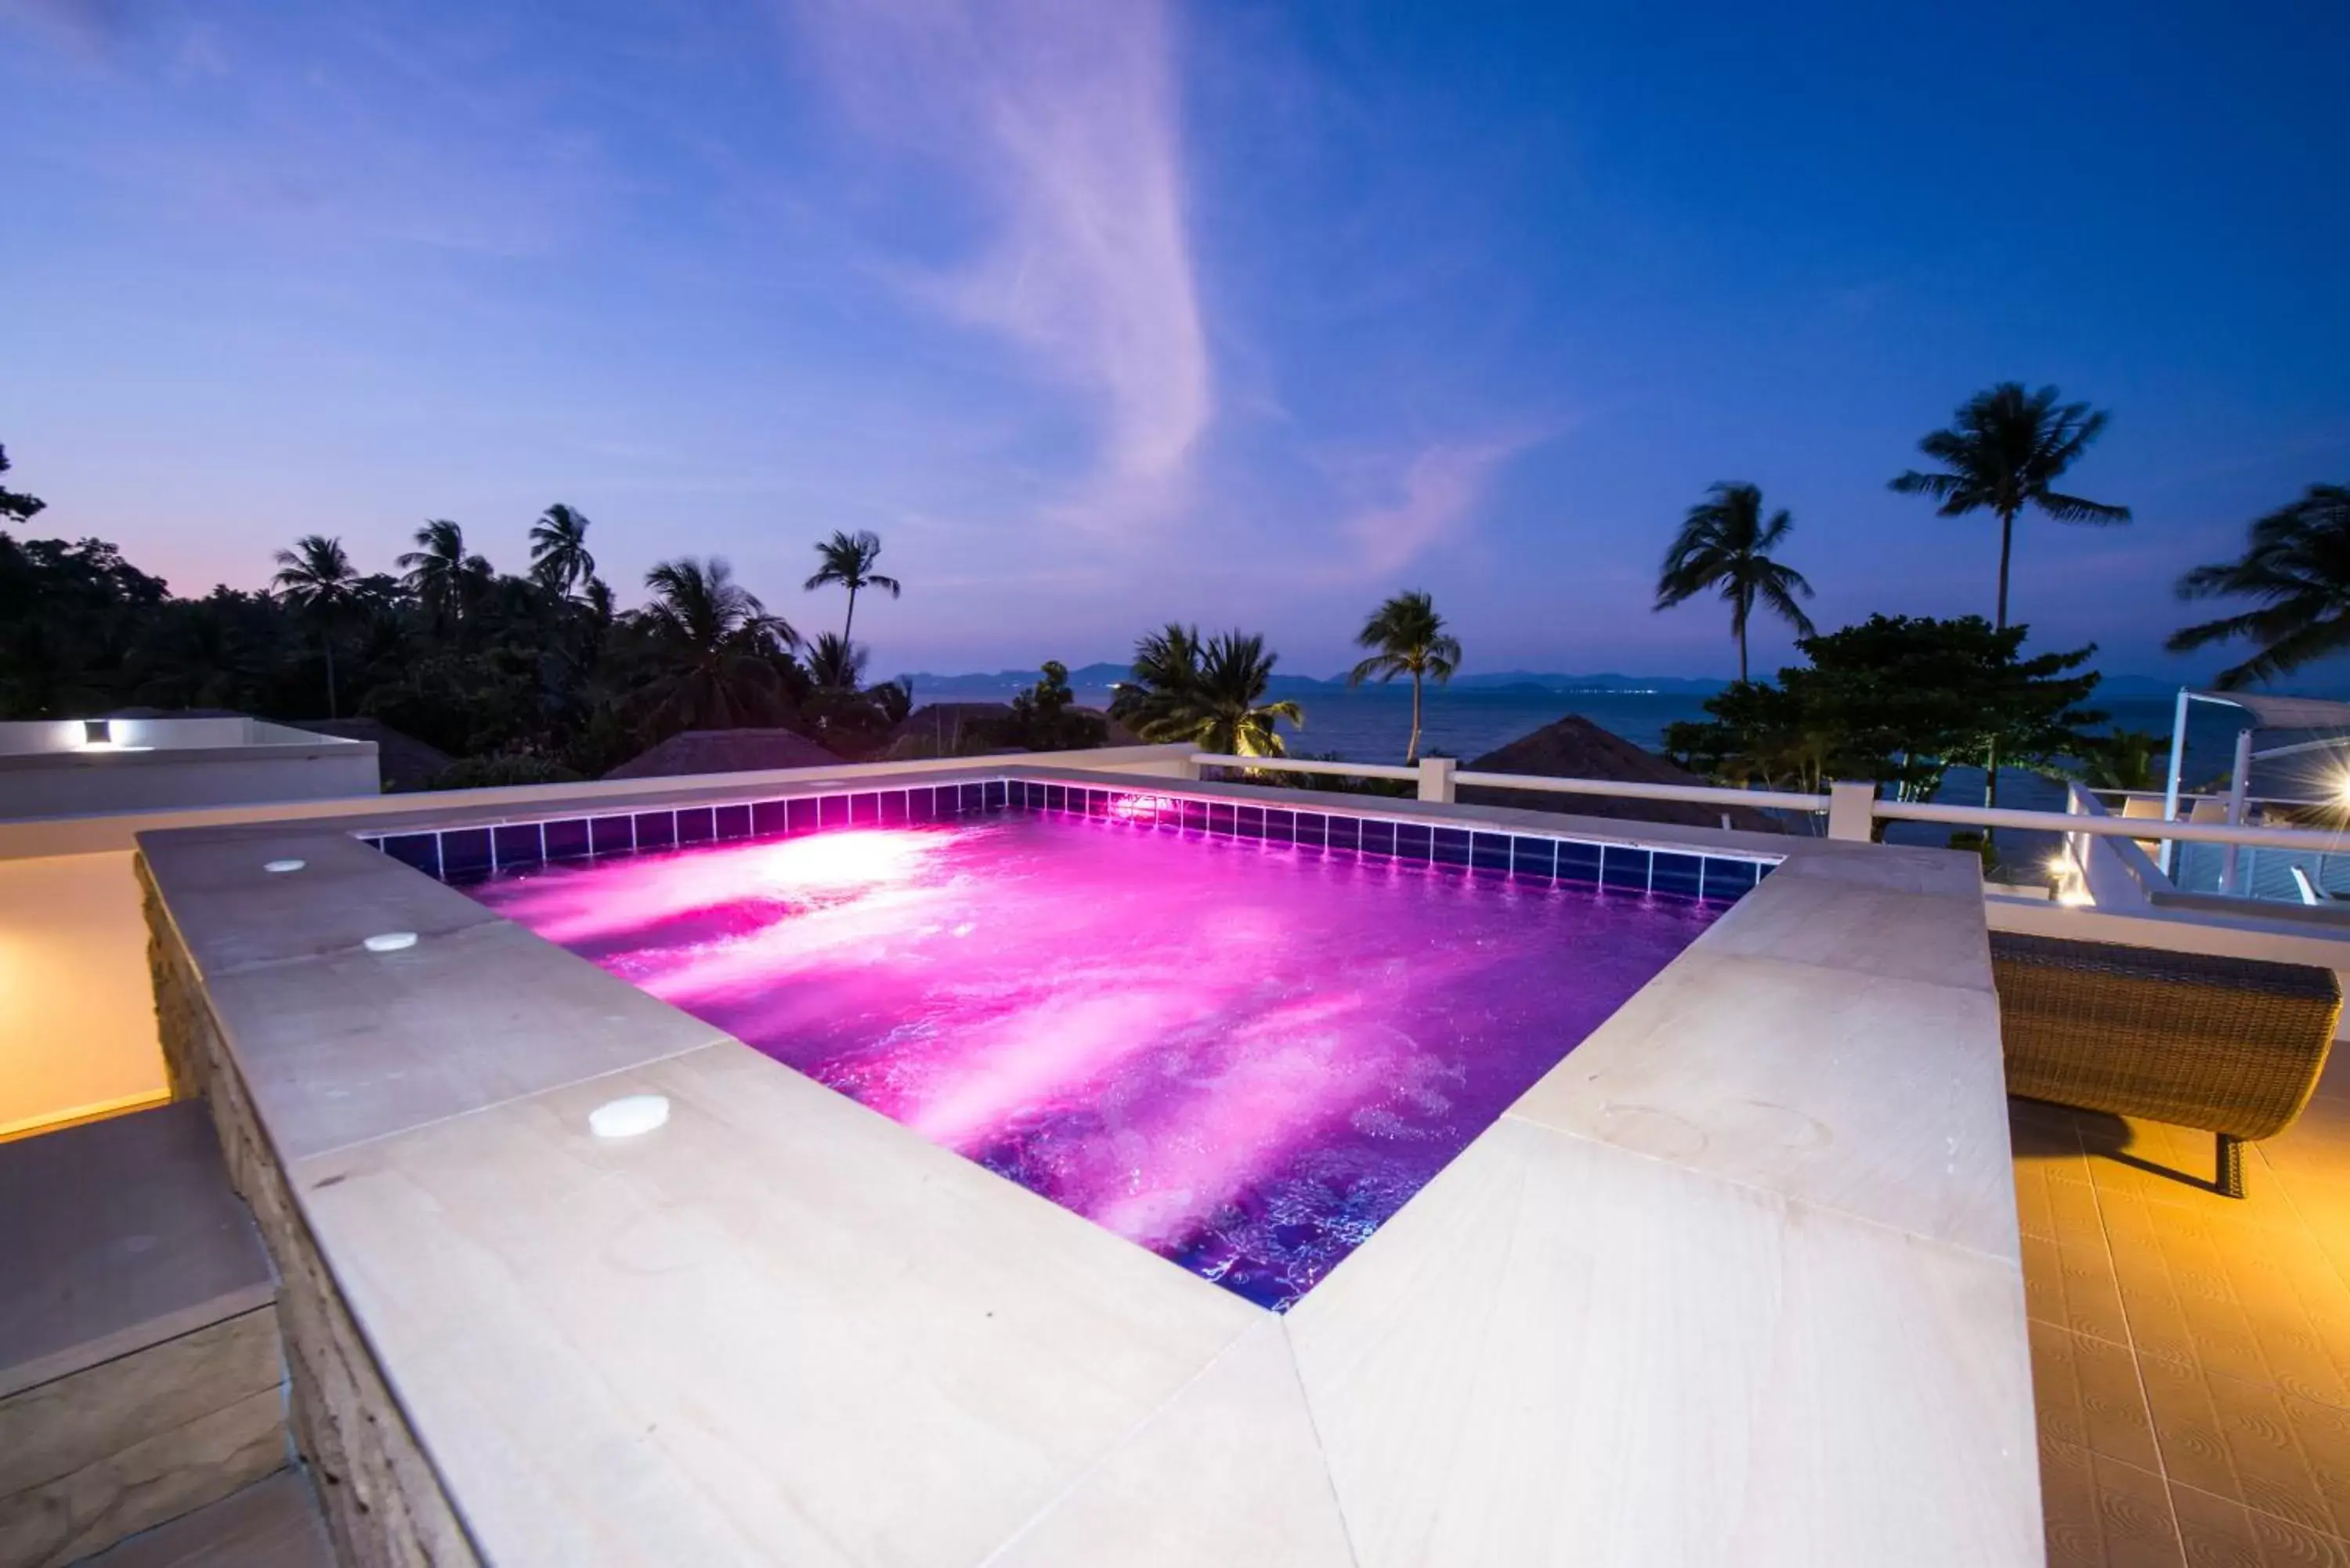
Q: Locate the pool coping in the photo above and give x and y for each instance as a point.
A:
(1805, 1112)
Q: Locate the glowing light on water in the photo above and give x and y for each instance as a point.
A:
(1243, 1057)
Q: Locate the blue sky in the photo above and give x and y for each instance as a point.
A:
(1103, 312)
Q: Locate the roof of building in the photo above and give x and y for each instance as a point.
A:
(725, 752)
(1575, 747)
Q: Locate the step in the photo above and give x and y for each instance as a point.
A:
(141, 1373)
(274, 1523)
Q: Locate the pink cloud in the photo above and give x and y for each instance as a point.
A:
(1432, 499)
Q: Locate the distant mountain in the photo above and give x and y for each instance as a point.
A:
(1094, 676)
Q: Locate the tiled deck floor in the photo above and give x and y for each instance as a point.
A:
(2191, 1354)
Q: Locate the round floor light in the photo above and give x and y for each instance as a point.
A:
(390, 941)
(632, 1116)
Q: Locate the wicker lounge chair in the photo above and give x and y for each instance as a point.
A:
(2230, 1046)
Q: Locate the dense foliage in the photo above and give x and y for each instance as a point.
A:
(1898, 700)
(525, 678)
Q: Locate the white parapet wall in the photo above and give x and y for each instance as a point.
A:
(60, 768)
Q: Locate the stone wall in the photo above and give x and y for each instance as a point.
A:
(383, 1504)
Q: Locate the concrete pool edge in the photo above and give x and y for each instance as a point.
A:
(1361, 1448)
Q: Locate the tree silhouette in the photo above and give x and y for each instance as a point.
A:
(2297, 563)
(2004, 451)
(1724, 544)
(1407, 637)
(316, 577)
(848, 559)
(559, 557)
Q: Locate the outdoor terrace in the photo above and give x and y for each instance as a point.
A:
(2191, 1354)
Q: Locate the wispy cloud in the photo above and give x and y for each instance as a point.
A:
(1059, 121)
(1430, 499)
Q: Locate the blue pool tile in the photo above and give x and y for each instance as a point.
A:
(1379, 837)
(696, 825)
(975, 797)
(1312, 828)
(1280, 827)
(1413, 841)
(1681, 875)
(1533, 856)
(893, 807)
(1056, 798)
(734, 821)
(865, 809)
(998, 796)
(1729, 879)
(565, 839)
(1577, 861)
(1195, 816)
(771, 819)
(1490, 851)
(464, 851)
(1248, 822)
(1345, 833)
(831, 811)
(611, 835)
(806, 813)
(921, 803)
(515, 843)
(656, 829)
(1220, 817)
(421, 850)
(1450, 846)
(1621, 867)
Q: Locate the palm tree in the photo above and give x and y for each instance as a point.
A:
(848, 560)
(559, 558)
(836, 664)
(1232, 716)
(2298, 564)
(440, 573)
(2005, 450)
(316, 577)
(1164, 677)
(2126, 760)
(1408, 639)
(719, 646)
(1725, 543)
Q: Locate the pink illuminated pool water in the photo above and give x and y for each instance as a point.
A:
(1243, 1057)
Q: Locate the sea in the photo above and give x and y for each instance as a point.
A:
(1373, 725)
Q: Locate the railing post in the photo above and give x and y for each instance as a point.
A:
(1850, 813)
(1436, 779)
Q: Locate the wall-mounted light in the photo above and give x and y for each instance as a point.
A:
(96, 734)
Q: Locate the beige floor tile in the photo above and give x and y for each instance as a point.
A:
(2103, 1514)
(1554, 1317)
(2088, 1397)
(2219, 1533)
(1241, 1435)
(779, 1328)
(2070, 1283)
(2250, 1444)
(1880, 1098)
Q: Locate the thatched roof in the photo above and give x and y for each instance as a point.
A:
(1576, 748)
(725, 752)
(402, 761)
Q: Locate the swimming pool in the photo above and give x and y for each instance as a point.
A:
(1245, 1055)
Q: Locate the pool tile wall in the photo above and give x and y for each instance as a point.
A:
(461, 854)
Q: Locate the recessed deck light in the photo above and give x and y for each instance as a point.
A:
(390, 941)
(277, 868)
(632, 1116)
